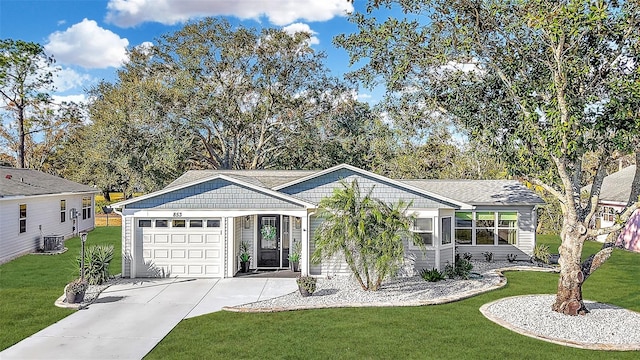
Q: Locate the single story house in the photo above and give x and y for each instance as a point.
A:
(35, 205)
(614, 195)
(194, 227)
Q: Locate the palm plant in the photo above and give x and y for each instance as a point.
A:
(366, 231)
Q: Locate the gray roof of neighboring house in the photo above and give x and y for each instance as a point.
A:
(617, 186)
(480, 192)
(28, 182)
(472, 192)
(264, 178)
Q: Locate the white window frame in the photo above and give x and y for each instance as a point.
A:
(414, 229)
(86, 208)
(22, 219)
(63, 210)
(495, 228)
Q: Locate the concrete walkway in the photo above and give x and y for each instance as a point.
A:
(129, 319)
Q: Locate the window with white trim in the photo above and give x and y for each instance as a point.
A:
(507, 228)
(23, 218)
(423, 227)
(486, 227)
(195, 223)
(86, 208)
(63, 211)
(464, 227)
(445, 225)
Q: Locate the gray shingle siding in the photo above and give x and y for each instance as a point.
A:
(215, 194)
(315, 189)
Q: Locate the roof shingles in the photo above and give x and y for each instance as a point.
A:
(28, 182)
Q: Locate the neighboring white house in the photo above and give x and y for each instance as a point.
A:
(195, 225)
(614, 195)
(34, 205)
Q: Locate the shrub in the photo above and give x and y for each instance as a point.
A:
(512, 257)
(488, 256)
(467, 256)
(461, 269)
(541, 253)
(96, 263)
(432, 275)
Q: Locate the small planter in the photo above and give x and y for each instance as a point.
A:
(306, 285)
(244, 266)
(295, 266)
(75, 290)
(303, 291)
(73, 298)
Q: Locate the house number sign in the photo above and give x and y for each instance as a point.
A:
(177, 214)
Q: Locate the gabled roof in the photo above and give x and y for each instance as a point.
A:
(481, 192)
(176, 185)
(264, 178)
(15, 182)
(617, 186)
(375, 176)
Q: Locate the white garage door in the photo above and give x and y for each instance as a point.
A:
(180, 247)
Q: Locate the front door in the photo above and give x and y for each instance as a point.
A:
(269, 241)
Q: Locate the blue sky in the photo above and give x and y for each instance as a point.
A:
(88, 38)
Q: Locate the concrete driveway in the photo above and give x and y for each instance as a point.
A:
(129, 319)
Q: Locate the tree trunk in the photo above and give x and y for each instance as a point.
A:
(21, 134)
(569, 295)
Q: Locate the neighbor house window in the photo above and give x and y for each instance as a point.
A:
(195, 223)
(63, 211)
(446, 230)
(162, 223)
(423, 227)
(213, 223)
(608, 213)
(144, 223)
(86, 208)
(464, 227)
(23, 218)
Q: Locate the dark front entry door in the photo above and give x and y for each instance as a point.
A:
(269, 241)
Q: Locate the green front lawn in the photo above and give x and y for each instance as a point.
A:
(451, 331)
(30, 285)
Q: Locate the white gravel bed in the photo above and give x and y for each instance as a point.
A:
(345, 291)
(605, 324)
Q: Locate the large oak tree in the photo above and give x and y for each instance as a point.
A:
(546, 83)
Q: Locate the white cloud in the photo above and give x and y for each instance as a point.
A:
(66, 79)
(78, 99)
(300, 27)
(127, 13)
(88, 45)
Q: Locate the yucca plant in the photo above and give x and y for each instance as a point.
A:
(96, 262)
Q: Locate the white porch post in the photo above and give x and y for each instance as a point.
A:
(230, 246)
(132, 244)
(304, 267)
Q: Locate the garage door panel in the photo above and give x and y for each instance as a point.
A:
(196, 238)
(178, 238)
(212, 270)
(178, 254)
(182, 251)
(178, 270)
(212, 239)
(161, 253)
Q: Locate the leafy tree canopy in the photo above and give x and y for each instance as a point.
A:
(545, 83)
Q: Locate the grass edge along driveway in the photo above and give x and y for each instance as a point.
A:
(452, 331)
(29, 286)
